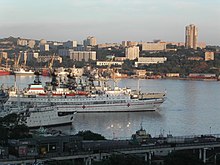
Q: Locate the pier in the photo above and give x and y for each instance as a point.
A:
(204, 146)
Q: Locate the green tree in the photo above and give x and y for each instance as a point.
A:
(89, 135)
(19, 132)
(10, 120)
(4, 134)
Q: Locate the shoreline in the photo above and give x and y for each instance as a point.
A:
(175, 78)
(144, 78)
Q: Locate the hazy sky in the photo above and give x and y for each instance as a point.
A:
(110, 20)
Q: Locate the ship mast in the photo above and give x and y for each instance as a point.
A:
(138, 87)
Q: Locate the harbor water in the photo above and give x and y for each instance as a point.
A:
(191, 107)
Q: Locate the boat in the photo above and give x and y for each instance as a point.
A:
(101, 101)
(86, 98)
(23, 72)
(202, 76)
(45, 117)
(141, 136)
(45, 72)
(4, 71)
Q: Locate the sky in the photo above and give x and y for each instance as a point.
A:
(110, 20)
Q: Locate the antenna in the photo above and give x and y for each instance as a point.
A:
(138, 86)
(141, 125)
(19, 101)
(15, 83)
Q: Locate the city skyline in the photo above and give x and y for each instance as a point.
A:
(110, 21)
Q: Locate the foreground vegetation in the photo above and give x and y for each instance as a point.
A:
(10, 128)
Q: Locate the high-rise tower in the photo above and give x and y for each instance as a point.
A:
(191, 36)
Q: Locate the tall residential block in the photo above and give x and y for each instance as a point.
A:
(70, 44)
(124, 43)
(191, 36)
(43, 41)
(83, 55)
(44, 47)
(132, 53)
(31, 43)
(90, 41)
(22, 42)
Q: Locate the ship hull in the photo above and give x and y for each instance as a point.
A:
(47, 118)
(91, 105)
(108, 108)
(23, 73)
(4, 73)
(45, 72)
(55, 124)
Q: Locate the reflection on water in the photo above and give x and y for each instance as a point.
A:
(192, 107)
(118, 125)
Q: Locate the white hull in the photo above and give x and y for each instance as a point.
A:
(91, 104)
(47, 116)
(24, 73)
(64, 120)
(138, 107)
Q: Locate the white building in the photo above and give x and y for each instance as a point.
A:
(43, 41)
(132, 53)
(54, 45)
(83, 55)
(150, 60)
(44, 47)
(90, 41)
(109, 63)
(31, 43)
(22, 42)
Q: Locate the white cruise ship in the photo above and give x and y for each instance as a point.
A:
(87, 100)
(45, 117)
(107, 101)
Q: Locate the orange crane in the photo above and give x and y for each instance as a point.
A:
(48, 71)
